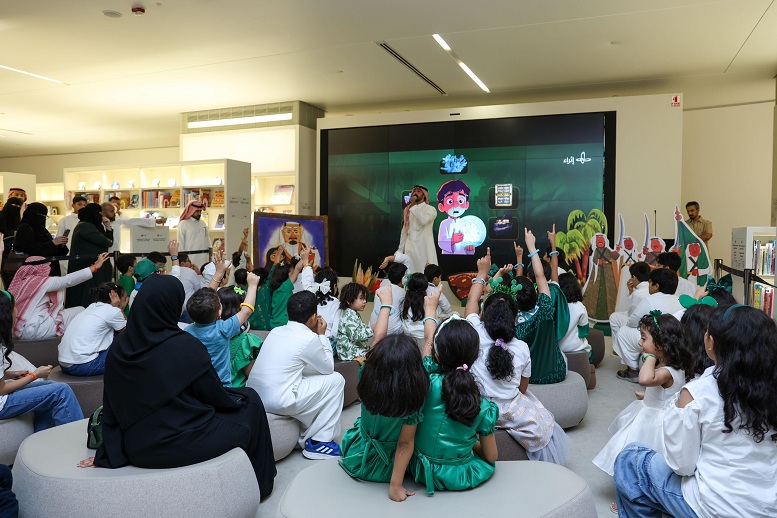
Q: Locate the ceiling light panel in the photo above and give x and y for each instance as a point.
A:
(447, 48)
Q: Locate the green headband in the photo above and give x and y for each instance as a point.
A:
(655, 314)
(725, 315)
(7, 294)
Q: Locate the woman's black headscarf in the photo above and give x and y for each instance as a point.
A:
(92, 213)
(153, 360)
(35, 217)
(12, 211)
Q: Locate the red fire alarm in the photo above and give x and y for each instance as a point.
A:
(138, 11)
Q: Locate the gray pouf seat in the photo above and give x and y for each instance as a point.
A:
(508, 448)
(578, 362)
(88, 389)
(39, 352)
(285, 432)
(350, 372)
(596, 340)
(525, 489)
(48, 483)
(12, 433)
(568, 400)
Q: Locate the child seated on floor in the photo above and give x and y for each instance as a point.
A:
(85, 344)
(326, 291)
(126, 266)
(244, 347)
(576, 337)
(260, 318)
(352, 332)
(392, 387)
(282, 282)
(412, 313)
(395, 274)
(433, 274)
(204, 308)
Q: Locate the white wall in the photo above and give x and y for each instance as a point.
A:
(49, 168)
(649, 147)
(727, 168)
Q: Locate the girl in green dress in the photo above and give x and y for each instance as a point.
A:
(392, 387)
(455, 448)
(244, 347)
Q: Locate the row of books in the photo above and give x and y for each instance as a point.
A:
(206, 196)
(763, 257)
(763, 298)
(161, 199)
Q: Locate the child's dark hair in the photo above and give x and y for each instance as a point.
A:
(695, 321)
(102, 293)
(6, 326)
(241, 277)
(396, 272)
(665, 279)
(526, 297)
(415, 291)
(723, 297)
(351, 292)
(432, 271)
(124, 262)
(230, 302)
(301, 306)
(667, 334)
(669, 260)
(262, 274)
(570, 287)
(183, 257)
(236, 258)
(562, 257)
(640, 270)
(499, 311)
(157, 258)
(456, 347)
(279, 275)
(393, 382)
(203, 306)
(546, 270)
(745, 343)
(327, 274)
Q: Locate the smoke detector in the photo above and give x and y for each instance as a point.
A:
(138, 11)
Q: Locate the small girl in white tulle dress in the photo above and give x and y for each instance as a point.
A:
(663, 375)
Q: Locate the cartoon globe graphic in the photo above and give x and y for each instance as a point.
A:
(474, 230)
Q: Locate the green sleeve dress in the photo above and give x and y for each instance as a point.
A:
(280, 297)
(243, 349)
(260, 318)
(539, 329)
(368, 447)
(443, 457)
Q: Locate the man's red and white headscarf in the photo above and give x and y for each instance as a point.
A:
(191, 208)
(26, 284)
(407, 208)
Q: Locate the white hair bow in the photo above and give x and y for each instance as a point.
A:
(324, 287)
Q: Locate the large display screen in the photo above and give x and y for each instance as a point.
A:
(486, 179)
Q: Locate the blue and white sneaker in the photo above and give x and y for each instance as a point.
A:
(321, 450)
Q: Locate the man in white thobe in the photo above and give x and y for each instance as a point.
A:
(193, 232)
(417, 238)
(294, 375)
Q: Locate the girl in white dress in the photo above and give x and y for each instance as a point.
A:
(503, 369)
(665, 360)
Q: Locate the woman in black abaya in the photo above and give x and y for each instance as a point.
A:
(164, 405)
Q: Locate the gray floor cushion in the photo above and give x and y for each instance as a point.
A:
(525, 489)
(48, 483)
(12, 432)
(285, 433)
(568, 400)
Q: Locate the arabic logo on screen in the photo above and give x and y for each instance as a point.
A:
(453, 164)
(570, 160)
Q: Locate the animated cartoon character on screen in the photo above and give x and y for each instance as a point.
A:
(458, 234)
(291, 235)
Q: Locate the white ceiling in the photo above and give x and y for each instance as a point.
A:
(128, 79)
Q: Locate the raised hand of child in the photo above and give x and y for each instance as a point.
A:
(252, 279)
(385, 294)
(503, 270)
(431, 302)
(552, 237)
(115, 299)
(484, 264)
(530, 239)
(101, 260)
(172, 248)
(304, 255)
(386, 260)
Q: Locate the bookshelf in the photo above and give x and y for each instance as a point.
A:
(163, 190)
(52, 195)
(271, 193)
(754, 248)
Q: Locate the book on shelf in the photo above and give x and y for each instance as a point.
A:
(282, 195)
(764, 257)
(218, 245)
(218, 199)
(92, 197)
(133, 204)
(219, 222)
(763, 298)
(175, 200)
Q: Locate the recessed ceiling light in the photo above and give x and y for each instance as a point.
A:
(112, 14)
(30, 74)
(461, 64)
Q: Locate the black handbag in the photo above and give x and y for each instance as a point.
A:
(11, 268)
(94, 430)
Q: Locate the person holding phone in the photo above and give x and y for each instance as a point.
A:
(417, 237)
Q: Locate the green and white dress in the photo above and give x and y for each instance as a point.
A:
(352, 336)
(443, 457)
